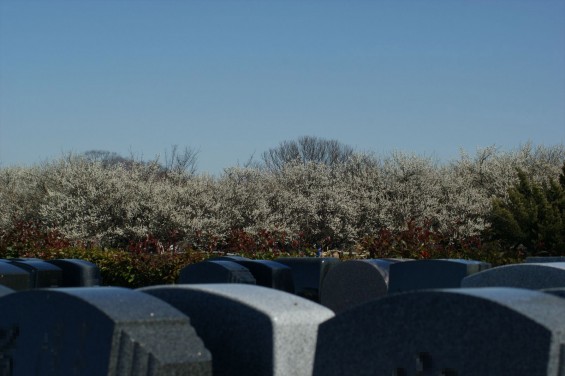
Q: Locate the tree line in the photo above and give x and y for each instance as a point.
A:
(309, 192)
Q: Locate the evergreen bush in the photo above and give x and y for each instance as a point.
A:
(532, 217)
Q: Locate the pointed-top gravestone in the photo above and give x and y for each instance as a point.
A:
(431, 274)
(452, 332)
(308, 274)
(250, 330)
(352, 283)
(216, 272)
(527, 276)
(96, 331)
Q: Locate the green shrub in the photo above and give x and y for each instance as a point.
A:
(532, 217)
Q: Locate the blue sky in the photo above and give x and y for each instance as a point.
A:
(233, 78)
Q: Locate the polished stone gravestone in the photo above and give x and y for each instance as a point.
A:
(42, 274)
(451, 332)
(270, 274)
(538, 260)
(431, 274)
(215, 272)
(308, 273)
(250, 330)
(96, 331)
(78, 273)
(5, 291)
(354, 282)
(527, 276)
(14, 277)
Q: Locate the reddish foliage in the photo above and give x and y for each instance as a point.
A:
(25, 235)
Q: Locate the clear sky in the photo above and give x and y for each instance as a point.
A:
(233, 78)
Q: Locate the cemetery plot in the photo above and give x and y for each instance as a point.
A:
(452, 332)
(96, 331)
(308, 274)
(215, 272)
(354, 282)
(250, 330)
(527, 275)
(431, 274)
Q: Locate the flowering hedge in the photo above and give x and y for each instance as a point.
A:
(412, 205)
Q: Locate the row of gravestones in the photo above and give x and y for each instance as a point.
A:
(202, 327)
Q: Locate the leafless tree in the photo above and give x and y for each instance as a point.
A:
(304, 150)
(181, 162)
(105, 157)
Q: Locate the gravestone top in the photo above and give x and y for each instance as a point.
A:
(487, 331)
(431, 274)
(269, 273)
(216, 272)
(263, 331)
(385, 263)
(23, 259)
(234, 258)
(308, 273)
(42, 274)
(14, 277)
(98, 330)
(528, 276)
(78, 273)
(545, 259)
(352, 283)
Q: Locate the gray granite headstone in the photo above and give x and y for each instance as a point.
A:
(353, 282)
(527, 275)
(538, 260)
(78, 273)
(308, 274)
(216, 272)
(431, 274)
(42, 274)
(14, 277)
(96, 331)
(452, 332)
(250, 330)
